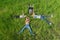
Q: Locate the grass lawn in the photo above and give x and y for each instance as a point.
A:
(9, 27)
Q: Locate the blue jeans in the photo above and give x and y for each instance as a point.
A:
(28, 27)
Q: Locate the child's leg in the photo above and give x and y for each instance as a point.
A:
(30, 30)
(22, 29)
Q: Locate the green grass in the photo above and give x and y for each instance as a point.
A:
(9, 27)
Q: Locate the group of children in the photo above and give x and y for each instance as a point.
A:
(27, 20)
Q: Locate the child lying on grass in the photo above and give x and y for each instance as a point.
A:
(27, 21)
